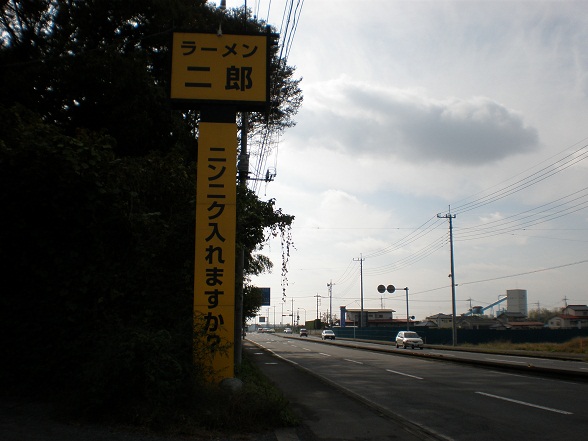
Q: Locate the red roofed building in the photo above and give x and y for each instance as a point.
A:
(572, 316)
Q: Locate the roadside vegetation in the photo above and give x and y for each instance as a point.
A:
(578, 345)
(259, 407)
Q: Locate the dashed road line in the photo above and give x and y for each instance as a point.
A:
(550, 409)
(402, 373)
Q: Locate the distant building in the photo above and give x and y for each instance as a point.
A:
(372, 317)
(440, 320)
(572, 316)
(475, 322)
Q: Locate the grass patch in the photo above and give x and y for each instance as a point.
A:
(578, 345)
(257, 408)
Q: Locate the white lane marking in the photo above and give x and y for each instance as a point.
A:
(271, 362)
(322, 353)
(353, 361)
(506, 361)
(306, 349)
(402, 373)
(550, 409)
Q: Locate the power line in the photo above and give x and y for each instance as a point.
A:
(532, 179)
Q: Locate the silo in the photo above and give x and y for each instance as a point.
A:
(516, 301)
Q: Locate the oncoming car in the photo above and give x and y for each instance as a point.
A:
(409, 339)
(288, 331)
(328, 334)
(303, 332)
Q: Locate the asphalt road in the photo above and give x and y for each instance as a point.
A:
(445, 399)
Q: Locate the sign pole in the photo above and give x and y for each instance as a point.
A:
(220, 74)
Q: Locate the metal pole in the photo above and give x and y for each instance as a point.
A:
(407, 316)
(452, 275)
(361, 259)
(454, 328)
(330, 285)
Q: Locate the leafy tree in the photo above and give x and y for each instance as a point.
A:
(97, 176)
(257, 221)
(543, 314)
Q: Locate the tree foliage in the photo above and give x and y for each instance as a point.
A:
(97, 176)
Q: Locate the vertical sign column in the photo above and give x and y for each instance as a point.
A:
(214, 269)
(222, 74)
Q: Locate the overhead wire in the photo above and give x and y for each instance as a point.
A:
(526, 218)
(269, 138)
(532, 179)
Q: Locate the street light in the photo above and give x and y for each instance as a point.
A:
(391, 289)
(299, 316)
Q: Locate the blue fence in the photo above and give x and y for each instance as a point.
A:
(470, 336)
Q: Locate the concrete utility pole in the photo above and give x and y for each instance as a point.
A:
(452, 274)
(330, 286)
(361, 259)
(317, 305)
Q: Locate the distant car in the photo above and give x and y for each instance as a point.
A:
(287, 331)
(327, 334)
(303, 332)
(409, 339)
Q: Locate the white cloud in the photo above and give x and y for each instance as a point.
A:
(354, 118)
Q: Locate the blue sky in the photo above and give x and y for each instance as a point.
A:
(411, 107)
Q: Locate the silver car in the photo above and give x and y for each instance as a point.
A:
(409, 339)
(327, 334)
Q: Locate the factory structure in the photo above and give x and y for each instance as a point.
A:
(509, 311)
(515, 301)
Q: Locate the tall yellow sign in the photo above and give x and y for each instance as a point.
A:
(219, 74)
(214, 269)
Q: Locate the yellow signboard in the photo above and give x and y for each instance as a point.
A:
(228, 67)
(214, 268)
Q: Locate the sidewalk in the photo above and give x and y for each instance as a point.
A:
(328, 414)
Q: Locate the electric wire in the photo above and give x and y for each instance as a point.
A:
(539, 176)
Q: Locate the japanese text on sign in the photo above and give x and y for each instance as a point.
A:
(214, 272)
(208, 67)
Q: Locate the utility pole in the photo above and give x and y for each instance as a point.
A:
(243, 172)
(361, 259)
(538, 310)
(317, 305)
(330, 286)
(452, 274)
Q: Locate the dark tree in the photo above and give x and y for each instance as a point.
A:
(97, 175)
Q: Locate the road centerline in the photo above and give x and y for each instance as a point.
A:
(524, 403)
(404, 374)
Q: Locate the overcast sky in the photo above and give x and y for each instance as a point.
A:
(412, 107)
